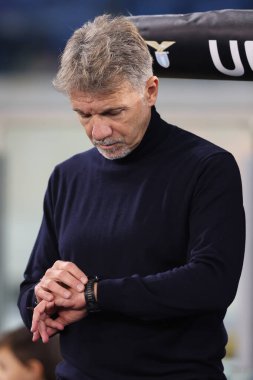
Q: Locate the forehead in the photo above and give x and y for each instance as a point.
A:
(91, 98)
(123, 95)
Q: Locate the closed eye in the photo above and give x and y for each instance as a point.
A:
(82, 114)
(112, 112)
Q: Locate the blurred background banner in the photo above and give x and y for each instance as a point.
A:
(206, 45)
(33, 33)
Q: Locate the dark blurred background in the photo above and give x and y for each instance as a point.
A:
(34, 33)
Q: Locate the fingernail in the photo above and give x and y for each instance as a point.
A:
(67, 294)
(84, 280)
(80, 287)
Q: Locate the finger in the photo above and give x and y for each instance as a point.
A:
(36, 317)
(36, 336)
(35, 322)
(75, 302)
(42, 294)
(72, 269)
(51, 331)
(55, 286)
(40, 312)
(43, 332)
(60, 276)
(54, 324)
(46, 329)
(58, 280)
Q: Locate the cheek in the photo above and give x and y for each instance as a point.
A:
(87, 129)
(134, 128)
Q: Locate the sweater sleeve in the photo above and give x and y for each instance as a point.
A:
(208, 281)
(43, 256)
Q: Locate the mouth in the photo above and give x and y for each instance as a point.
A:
(107, 147)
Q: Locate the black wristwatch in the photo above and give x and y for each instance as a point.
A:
(91, 303)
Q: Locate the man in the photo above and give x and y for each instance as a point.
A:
(141, 245)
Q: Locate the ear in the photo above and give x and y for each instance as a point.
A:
(152, 90)
(36, 368)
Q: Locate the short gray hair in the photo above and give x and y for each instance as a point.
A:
(102, 53)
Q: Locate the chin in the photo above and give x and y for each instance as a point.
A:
(116, 155)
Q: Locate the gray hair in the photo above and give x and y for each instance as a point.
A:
(103, 53)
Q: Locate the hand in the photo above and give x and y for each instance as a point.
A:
(59, 283)
(43, 326)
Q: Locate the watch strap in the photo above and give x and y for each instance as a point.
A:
(91, 302)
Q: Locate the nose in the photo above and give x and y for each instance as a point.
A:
(101, 129)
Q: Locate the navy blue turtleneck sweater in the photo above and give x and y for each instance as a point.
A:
(164, 230)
